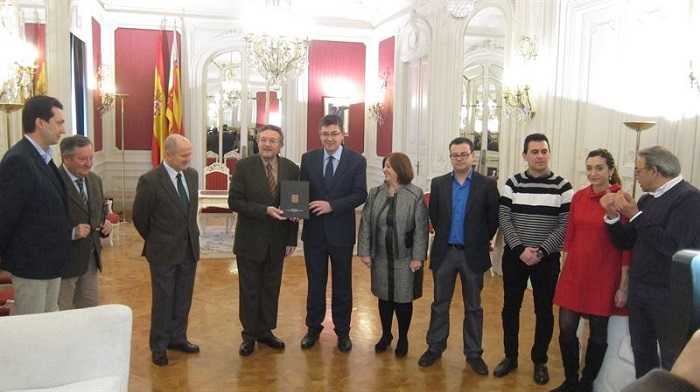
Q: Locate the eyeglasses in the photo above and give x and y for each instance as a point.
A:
(330, 134)
(463, 155)
(269, 141)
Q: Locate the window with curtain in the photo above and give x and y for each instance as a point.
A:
(79, 87)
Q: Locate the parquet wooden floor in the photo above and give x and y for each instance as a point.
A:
(214, 325)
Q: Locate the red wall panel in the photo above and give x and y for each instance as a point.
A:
(96, 98)
(135, 59)
(337, 69)
(273, 109)
(386, 70)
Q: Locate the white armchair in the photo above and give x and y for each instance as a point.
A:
(73, 350)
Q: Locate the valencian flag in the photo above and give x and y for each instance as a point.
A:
(174, 111)
(159, 105)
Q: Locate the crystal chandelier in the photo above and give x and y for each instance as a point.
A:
(230, 87)
(279, 51)
(277, 58)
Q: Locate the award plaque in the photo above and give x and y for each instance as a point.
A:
(294, 199)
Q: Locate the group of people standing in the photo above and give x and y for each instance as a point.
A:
(617, 251)
(51, 217)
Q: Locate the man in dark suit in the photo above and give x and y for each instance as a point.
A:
(79, 280)
(264, 237)
(338, 184)
(464, 213)
(165, 214)
(35, 231)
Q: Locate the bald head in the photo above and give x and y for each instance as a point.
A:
(178, 152)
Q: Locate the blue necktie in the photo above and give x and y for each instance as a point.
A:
(329, 168)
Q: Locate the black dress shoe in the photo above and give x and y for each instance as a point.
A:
(247, 347)
(309, 340)
(185, 347)
(478, 366)
(401, 348)
(344, 344)
(541, 374)
(159, 358)
(383, 343)
(505, 366)
(272, 341)
(428, 358)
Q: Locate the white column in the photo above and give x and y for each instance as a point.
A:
(58, 57)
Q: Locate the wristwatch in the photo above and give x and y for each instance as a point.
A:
(540, 253)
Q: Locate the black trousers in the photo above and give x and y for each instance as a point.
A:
(259, 290)
(444, 279)
(171, 295)
(649, 312)
(316, 257)
(543, 276)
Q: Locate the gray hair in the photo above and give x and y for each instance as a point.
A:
(662, 159)
(270, 127)
(172, 141)
(71, 143)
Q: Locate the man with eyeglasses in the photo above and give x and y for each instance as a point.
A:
(464, 213)
(264, 237)
(533, 215)
(666, 219)
(337, 180)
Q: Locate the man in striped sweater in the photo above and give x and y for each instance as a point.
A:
(533, 215)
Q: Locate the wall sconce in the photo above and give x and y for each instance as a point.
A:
(376, 109)
(517, 103)
(694, 82)
(105, 86)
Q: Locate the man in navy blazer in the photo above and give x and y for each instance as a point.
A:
(337, 180)
(35, 229)
(464, 213)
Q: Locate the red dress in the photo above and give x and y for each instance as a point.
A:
(591, 273)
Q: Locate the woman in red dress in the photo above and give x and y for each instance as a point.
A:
(593, 283)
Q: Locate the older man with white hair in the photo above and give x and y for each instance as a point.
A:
(165, 214)
(665, 220)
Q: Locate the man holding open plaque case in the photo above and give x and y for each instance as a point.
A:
(294, 199)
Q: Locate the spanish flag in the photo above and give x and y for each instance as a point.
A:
(159, 120)
(174, 112)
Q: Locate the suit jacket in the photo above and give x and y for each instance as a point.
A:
(249, 195)
(345, 191)
(92, 214)
(35, 232)
(480, 222)
(165, 223)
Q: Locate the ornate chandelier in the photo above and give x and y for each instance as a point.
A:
(280, 50)
(16, 60)
(276, 57)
